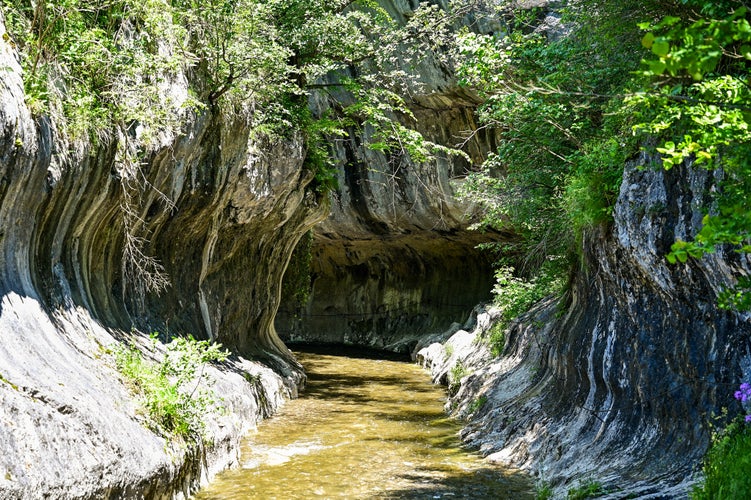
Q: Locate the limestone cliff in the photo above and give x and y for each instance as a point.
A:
(620, 388)
(395, 259)
(220, 210)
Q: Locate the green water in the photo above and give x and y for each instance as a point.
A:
(363, 428)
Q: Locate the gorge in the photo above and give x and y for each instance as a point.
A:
(188, 227)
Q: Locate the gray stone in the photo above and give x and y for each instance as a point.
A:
(620, 388)
(219, 209)
(395, 259)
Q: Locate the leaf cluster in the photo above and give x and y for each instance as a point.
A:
(557, 104)
(586, 489)
(173, 392)
(94, 63)
(515, 295)
(700, 109)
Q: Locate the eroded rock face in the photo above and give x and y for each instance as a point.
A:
(395, 259)
(620, 389)
(388, 293)
(219, 209)
(71, 428)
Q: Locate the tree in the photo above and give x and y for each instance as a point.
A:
(556, 102)
(699, 106)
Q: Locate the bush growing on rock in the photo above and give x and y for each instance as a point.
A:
(727, 465)
(173, 393)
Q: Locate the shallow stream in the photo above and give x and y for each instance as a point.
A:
(363, 428)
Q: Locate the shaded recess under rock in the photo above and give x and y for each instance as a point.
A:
(219, 209)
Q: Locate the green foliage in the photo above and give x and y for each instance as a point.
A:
(700, 108)
(566, 109)
(95, 62)
(543, 491)
(497, 336)
(564, 135)
(172, 392)
(477, 404)
(727, 465)
(587, 489)
(448, 350)
(455, 375)
(592, 186)
(106, 63)
(318, 135)
(516, 295)
(239, 50)
(737, 297)
(696, 49)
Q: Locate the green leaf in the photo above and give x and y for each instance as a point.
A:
(648, 40)
(702, 157)
(669, 21)
(661, 47)
(657, 67)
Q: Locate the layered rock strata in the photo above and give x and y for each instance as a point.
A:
(619, 385)
(218, 209)
(395, 259)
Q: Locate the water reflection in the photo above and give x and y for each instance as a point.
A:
(363, 428)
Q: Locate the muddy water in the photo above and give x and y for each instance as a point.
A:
(363, 428)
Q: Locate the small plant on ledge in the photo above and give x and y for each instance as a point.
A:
(173, 393)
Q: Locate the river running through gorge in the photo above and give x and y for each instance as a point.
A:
(363, 428)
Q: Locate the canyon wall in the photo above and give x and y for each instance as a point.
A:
(618, 383)
(86, 232)
(395, 259)
(608, 387)
(107, 239)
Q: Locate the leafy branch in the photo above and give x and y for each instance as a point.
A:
(703, 115)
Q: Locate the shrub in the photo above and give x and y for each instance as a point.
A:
(497, 338)
(727, 465)
(477, 404)
(586, 489)
(170, 391)
(515, 295)
(543, 491)
(455, 375)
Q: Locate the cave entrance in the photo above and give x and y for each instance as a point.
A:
(384, 293)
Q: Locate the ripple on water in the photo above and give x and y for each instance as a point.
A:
(277, 455)
(363, 428)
